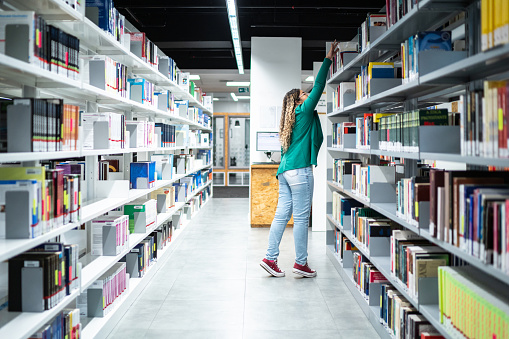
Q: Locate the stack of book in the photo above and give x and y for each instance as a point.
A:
(31, 292)
(484, 127)
(374, 70)
(65, 325)
(103, 130)
(400, 132)
(468, 210)
(339, 60)
(410, 192)
(110, 235)
(142, 211)
(145, 49)
(463, 293)
(48, 47)
(172, 70)
(413, 258)
(142, 91)
(106, 292)
(338, 94)
(142, 134)
(342, 207)
(364, 176)
(339, 130)
(367, 224)
(341, 168)
(396, 10)
(403, 320)
(40, 125)
(367, 34)
(107, 74)
(365, 273)
(104, 14)
(422, 41)
(494, 23)
(31, 189)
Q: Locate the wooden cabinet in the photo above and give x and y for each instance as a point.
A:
(264, 195)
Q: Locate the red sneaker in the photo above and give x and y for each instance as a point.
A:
(272, 267)
(304, 270)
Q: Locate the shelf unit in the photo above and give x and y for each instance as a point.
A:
(434, 87)
(19, 79)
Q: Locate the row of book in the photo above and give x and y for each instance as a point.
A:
(374, 70)
(397, 314)
(145, 49)
(484, 124)
(363, 177)
(141, 212)
(103, 130)
(104, 14)
(47, 46)
(40, 201)
(343, 95)
(494, 23)
(371, 29)
(39, 125)
(107, 74)
(400, 132)
(107, 291)
(342, 207)
(422, 41)
(366, 224)
(30, 290)
(396, 10)
(411, 193)
(110, 234)
(346, 52)
(470, 307)
(66, 325)
(468, 210)
(401, 318)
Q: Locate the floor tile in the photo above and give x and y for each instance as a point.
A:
(301, 334)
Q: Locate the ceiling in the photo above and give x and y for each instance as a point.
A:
(196, 33)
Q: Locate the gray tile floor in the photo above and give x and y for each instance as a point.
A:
(213, 287)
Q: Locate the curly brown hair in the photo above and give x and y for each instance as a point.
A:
(288, 118)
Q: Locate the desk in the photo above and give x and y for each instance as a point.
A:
(264, 195)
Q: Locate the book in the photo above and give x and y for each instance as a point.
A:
(142, 175)
(33, 205)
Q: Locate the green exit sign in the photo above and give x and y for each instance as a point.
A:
(243, 89)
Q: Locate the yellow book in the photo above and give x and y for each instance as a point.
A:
(497, 21)
(491, 23)
(378, 65)
(504, 28)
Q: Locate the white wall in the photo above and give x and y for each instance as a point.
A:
(231, 106)
(275, 69)
(320, 172)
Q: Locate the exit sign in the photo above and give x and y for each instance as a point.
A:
(243, 89)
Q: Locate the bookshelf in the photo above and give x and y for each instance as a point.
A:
(450, 79)
(21, 79)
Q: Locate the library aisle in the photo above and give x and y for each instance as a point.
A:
(213, 287)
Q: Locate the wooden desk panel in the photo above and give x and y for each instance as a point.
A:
(264, 195)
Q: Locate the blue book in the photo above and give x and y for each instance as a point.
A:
(382, 72)
(346, 206)
(434, 41)
(142, 174)
(103, 9)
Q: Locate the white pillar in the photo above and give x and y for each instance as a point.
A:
(275, 69)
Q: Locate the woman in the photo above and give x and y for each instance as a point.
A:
(300, 134)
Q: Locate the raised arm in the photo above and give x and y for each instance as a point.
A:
(310, 103)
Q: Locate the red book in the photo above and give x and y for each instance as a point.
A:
(428, 335)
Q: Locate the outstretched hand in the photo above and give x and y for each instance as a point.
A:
(333, 50)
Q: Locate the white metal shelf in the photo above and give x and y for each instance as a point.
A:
(383, 264)
(96, 326)
(24, 324)
(11, 247)
(370, 311)
(386, 210)
(48, 9)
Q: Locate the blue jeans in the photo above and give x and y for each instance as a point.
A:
(295, 195)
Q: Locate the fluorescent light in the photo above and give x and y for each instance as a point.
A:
(238, 83)
(234, 28)
(215, 99)
(310, 78)
(194, 77)
(234, 97)
(245, 97)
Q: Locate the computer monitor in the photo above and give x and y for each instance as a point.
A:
(268, 142)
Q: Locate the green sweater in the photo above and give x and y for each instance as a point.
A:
(307, 136)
